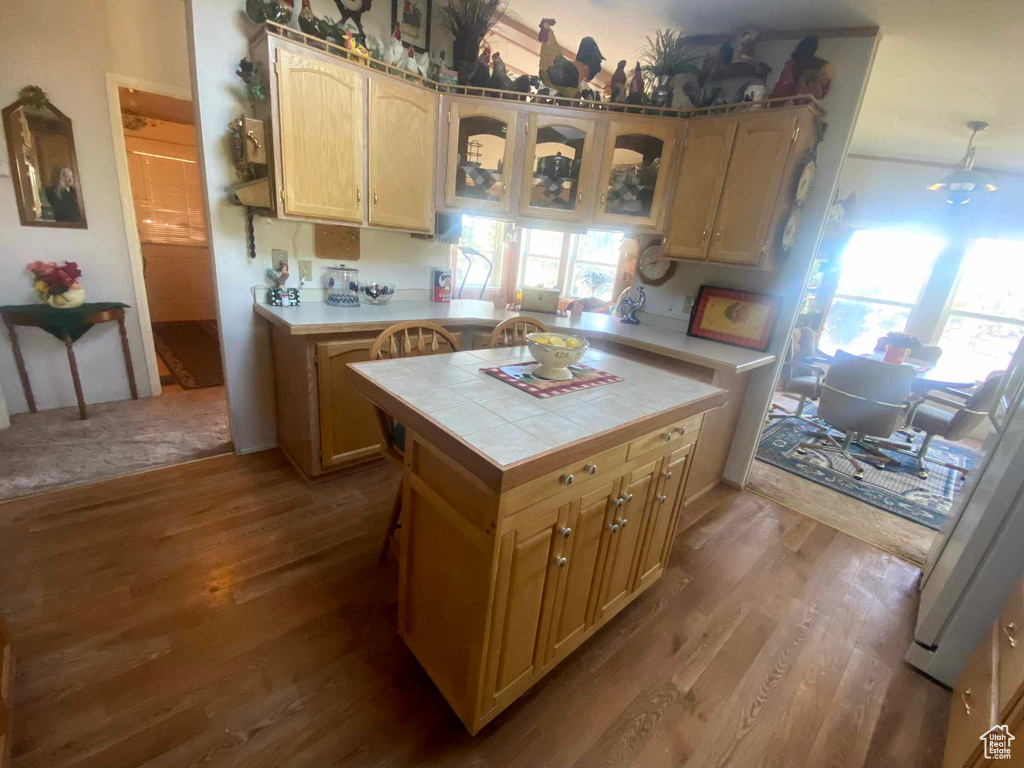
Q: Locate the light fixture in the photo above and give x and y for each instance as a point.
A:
(965, 181)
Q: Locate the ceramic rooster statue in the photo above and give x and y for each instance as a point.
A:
(562, 76)
(394, 51)
(417, 64)
(499, 75)
(479, 74)
(310, 24)
(270, 10)
(278, 276)
(636, 87)
(805, 73)
(619, 82)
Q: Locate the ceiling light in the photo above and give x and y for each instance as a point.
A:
(965, 181)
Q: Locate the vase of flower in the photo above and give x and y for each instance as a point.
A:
(57, 284)
(897, 346)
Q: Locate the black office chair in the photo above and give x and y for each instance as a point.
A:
(799, 377)
(861, 398)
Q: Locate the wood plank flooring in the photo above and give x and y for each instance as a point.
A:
(224, 613)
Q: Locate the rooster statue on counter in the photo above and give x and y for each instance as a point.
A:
(563, 77)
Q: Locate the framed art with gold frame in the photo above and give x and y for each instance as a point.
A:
(730, 316)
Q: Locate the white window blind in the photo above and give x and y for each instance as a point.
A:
(168, 199)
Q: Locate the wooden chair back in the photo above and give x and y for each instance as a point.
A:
(512, 332)
(413, 339)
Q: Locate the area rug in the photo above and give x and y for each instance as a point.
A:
(897, 489)
(191, 351)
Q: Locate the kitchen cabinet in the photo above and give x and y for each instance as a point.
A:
(481, 151)
(666, 506)
(348, 425)
(759, 154)
(402, 133)
(698, 184)
(320, 178)
(635, 172)
(559, 152)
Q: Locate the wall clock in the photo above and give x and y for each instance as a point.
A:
(653, 268)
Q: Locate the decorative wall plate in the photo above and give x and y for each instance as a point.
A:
(653, 268)
(789, 231)
(805, 182)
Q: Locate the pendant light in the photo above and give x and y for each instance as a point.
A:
(965, 181)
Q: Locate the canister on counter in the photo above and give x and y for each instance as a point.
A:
(342, 286)
(441, 284)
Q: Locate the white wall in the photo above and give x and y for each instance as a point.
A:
(218, 36)
(65, 48)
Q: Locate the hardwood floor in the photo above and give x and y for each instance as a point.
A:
(224, 613)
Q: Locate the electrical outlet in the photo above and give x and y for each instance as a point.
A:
(671, 304)
(687, 303)
(306, 270)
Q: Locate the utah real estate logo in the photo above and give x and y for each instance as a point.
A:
(997, 742)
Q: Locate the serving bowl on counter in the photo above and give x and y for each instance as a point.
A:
(555, 352)
(376, 293)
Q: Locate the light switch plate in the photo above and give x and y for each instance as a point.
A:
(277, 255)
(687, 304)
(306, 270)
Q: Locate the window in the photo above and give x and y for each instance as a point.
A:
(484, 240)
(580, 266)
(168, 198)
(986, 319)
(880, 280)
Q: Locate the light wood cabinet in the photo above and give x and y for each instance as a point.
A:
(321, 177)
(403, 121)
(1011, 652)
(760, 151)
(481, 152)
(698, 183)
(665, 509)
(348, 427)
(635, 171)
(559, 152)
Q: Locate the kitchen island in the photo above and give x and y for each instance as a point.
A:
(323, 426)
(528, 523)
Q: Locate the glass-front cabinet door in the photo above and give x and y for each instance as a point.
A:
(558, 152)
(635, 172)
(481, 142)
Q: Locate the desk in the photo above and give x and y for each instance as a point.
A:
(933, 375)
(68, 325)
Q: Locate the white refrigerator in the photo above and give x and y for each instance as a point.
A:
(979, 559)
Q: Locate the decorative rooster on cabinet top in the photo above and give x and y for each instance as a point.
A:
(562, 76)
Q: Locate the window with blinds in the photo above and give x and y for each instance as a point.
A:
(168, 199)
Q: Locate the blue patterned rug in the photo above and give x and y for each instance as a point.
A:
(897, 490)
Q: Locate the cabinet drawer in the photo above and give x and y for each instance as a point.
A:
(569, 476)
(972, 710)
(1011, 652)
(681, 433)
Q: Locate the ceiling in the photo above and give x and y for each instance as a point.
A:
(940, 63)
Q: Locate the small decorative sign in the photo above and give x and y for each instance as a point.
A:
(283, 297)
(521, 377)
(740, 318)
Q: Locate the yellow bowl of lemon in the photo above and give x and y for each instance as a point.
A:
(555, 352)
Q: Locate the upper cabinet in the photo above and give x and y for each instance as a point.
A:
(558, 156)
(320, 179)
(635, 171)
(699, 181)
(481, 147)
(402, 130)
(758, 160)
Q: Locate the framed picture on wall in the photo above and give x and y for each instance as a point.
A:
(740, 318)
(413, 20)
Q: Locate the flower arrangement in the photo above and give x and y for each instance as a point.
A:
(898, 345)
(57, 284)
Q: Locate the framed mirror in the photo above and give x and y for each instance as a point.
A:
(44, 168)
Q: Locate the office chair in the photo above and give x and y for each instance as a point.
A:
(861, 397)
(799, 378)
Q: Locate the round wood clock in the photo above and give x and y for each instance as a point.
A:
(653, 268)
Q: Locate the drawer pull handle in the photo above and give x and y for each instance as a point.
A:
(613, 527)
(628, 497)
(590, 469)
(963, 697)
(619, 502)
(680, 430)
(622, 523)
(662, 498)
(666, 436)
(1009, 630)
(566, 532)
(560, 562)
(667, 475)
(359, 196)
(566, 480)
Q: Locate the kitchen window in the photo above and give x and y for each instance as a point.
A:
(580, 266)
(881, 279)
(483, 241)
(986, 318)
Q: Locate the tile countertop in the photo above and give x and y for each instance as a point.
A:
(318, 317)
(463, 411)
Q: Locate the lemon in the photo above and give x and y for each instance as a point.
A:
(540, 339)
(573, 343)
(556, 341)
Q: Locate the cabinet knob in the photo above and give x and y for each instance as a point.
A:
(619, 502)
(628, 497)
(680, 430)
(359, 196)
(662, 498)
(590, 469)
(1010, 630)
(613, 527)
(667, 474)
(622, 523)
(560, 562)
(566, 480)
(566, 532)
(963, 697)
(666, 436)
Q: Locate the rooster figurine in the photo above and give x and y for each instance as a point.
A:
(636, 87)
(260, 11)
(499, 75)
(479, 74)
(417, 65)
(562, 76)
(394, 51)
(619, 82)
(310, 24)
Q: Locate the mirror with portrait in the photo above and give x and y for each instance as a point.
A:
(44, 167)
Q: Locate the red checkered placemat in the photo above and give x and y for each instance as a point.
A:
(521, 377)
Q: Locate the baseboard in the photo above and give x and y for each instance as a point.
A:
(255, 449)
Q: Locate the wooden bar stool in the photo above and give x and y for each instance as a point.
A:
(416, 338)
(512, 332)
